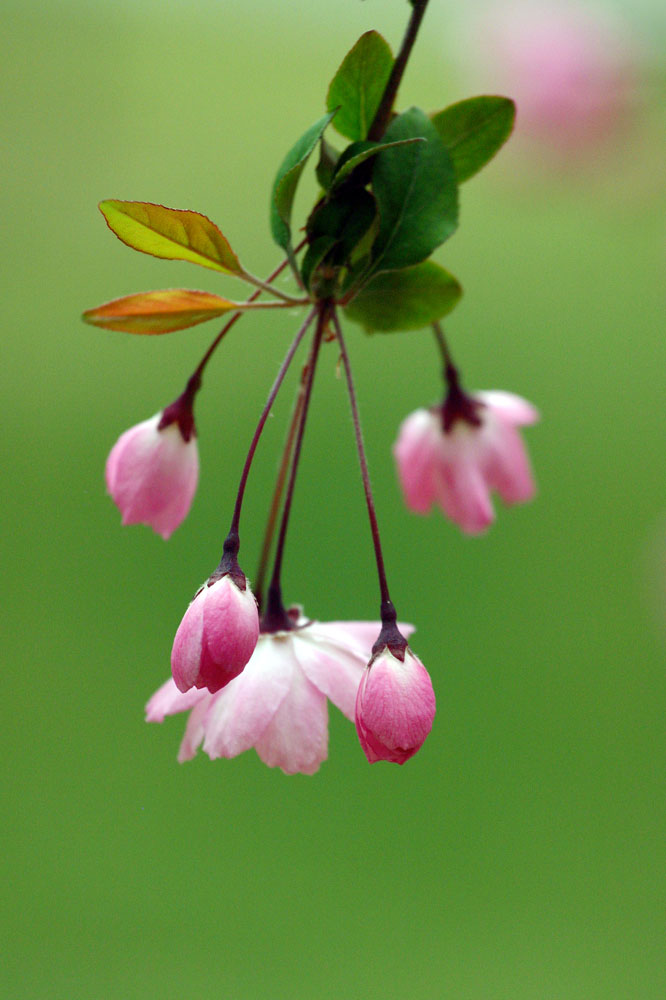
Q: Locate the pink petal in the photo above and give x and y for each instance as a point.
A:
(463, 495)
(168, 700)
(152, 475)
(296, 739)
(395, 708)
(416, 455)
(507, 467)
(194, 730)
(511, 408)
(333, 656)
(242, 710)
(356, 636)
(334, 671)
(230, 633)
(186, 649)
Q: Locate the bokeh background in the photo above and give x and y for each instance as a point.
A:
(520, 854)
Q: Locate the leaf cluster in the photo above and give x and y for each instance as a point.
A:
(384, 207)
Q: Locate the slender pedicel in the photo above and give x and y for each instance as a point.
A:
(233, 530)
(386, 605)
(280, 481)
(457, 404)
(275, 617)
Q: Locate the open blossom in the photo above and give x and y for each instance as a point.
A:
(152, 473)
(457, 468)
(395, 707)
(278, 704)
(217, 635)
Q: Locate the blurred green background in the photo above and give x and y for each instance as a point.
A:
(521, 853)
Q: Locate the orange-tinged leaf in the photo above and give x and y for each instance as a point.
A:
(171, 233)
(160, 312)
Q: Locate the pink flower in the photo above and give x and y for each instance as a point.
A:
(458, 467)
(152, 473)
(572, 71)
(278, 704)
(395, 707)
(217, 635)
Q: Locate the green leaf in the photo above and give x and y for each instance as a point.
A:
(405, 300)
(359, 152)
(328, 157)
(357, 87)
(315, 255)
(161, 311)
(474, 130)
(171, 233)
(334, 229)
(417, 194)
(287, 178)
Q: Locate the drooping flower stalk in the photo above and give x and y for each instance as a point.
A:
(275, 388)
(386, 603)
(275, 617)
(276, 499)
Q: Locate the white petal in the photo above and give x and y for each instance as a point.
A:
(194, 731)
(168, 700)
(335, 671)
(511, 408)
(240, 712)
(296, 739)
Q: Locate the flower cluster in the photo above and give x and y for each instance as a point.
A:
(279, 703)
(251, 671)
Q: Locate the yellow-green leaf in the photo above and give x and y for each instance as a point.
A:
(159, 312)
(171, 233)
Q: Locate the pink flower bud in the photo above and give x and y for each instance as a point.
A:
(457, 468)
(152, 473)
(217, 635)
(395, 707)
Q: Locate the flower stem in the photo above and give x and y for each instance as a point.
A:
(277, 492)
(276, 617)
(383, 113)
(457, 405)
(237, 315)
(233, 530)
(387, 609)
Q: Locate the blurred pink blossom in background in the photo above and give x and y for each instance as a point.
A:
(458, 468)
(571, 68)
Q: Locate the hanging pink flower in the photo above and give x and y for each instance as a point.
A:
(278, 704)
(458, 467)
(152, 473)
(217, 635)
(395, 707)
